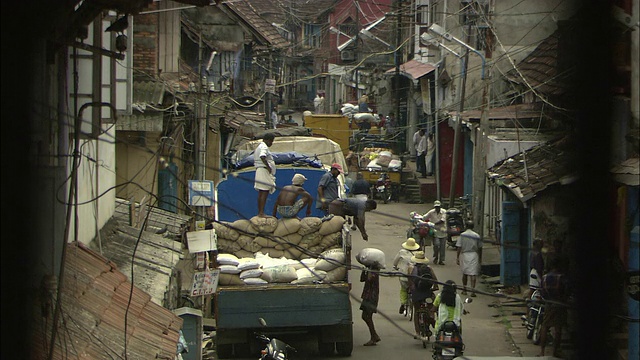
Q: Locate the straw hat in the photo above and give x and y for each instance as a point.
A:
(410, 244)
(419, 258)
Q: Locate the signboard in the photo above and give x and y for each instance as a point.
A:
(203, 240)
(270, 86)
(201, 192)
(205, 282)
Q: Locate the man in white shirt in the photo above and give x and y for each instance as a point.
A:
(265, 180)
(421, 152)
(431, 147)
(438, 217)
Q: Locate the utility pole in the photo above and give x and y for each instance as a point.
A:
(201, 127)
(458, 126)
(397, 57)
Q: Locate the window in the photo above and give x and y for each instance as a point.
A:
(473, 16)
(426, 14)
(312, 35)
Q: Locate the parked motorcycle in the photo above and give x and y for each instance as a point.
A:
(455, 226)
(275, 349)
(383, 188)
(419, 229)
(533, 321)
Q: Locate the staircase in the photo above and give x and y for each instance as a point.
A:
(411, 192)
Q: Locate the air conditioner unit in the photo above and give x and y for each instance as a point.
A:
(347, 55)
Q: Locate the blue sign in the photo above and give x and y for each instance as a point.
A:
(201, 192)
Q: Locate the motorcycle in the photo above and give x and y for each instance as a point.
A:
(420, 229)
(533, 321)
(455, 226)
(448, 342)
(275, 349)
(383, 187)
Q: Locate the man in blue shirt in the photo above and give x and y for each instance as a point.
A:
(328, 188)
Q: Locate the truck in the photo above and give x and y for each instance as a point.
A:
(313, 311)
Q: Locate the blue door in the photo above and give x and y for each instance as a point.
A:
(510, 244)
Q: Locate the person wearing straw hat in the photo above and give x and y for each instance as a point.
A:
(293, 198)
(401, 262)
(423, 282)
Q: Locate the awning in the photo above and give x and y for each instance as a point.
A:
(413, 69)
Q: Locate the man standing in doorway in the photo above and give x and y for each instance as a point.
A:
(437, 216)
(469, 245)
(265, 180)
(431, 148)
(421, 152)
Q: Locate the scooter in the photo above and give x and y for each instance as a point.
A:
(383, 187)
(275, 349)
(533, 321)
(455, 226)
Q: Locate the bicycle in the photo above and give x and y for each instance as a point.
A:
(425, 319)
(408, 309)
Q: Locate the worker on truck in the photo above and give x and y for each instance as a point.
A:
(353, 207)
(293, 198)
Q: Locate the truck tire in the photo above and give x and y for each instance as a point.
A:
(224, 351)
(344, 348)
(326, 348)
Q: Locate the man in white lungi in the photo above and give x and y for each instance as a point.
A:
(265, 181)
(469, 246)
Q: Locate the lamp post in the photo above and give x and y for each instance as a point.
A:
(479, 166)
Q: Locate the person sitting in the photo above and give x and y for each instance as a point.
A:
(353, 207)
(449, 305)
(293, 198)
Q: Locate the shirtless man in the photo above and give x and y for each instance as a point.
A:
(287, 204)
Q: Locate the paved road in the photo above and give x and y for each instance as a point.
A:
(484, 332)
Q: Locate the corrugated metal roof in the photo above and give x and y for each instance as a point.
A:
(540, 68)
(247, 12)
(532, 171)
(412, 69)
(95, 298)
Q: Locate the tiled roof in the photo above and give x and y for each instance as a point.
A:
(540, 68)
(95, 298)
(534, 170)
(244, 10)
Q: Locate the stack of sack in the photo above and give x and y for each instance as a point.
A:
(270, 250)
(349, 110)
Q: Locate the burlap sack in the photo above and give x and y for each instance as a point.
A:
(293, 253)
(310, 240)
(279, 274)
(307, 276)
(330, 260)
(243, 253)
(227, 259)
(244, 227)
(229, 269)
(330, 240)
(265, 242)
(247, 263)
(228, 246)
(370, 257)
(254, 281)
(229, 279)
(336, 275)
(287, 226)
(244, 241)
(293, 239)
(273, 252)
(250, 273)
(331, 226)
(264, 225)
(305, 263)
(309, 225)
(224, 231)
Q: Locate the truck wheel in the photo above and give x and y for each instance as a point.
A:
(326, 348)
(344, 348)
(224, 351)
